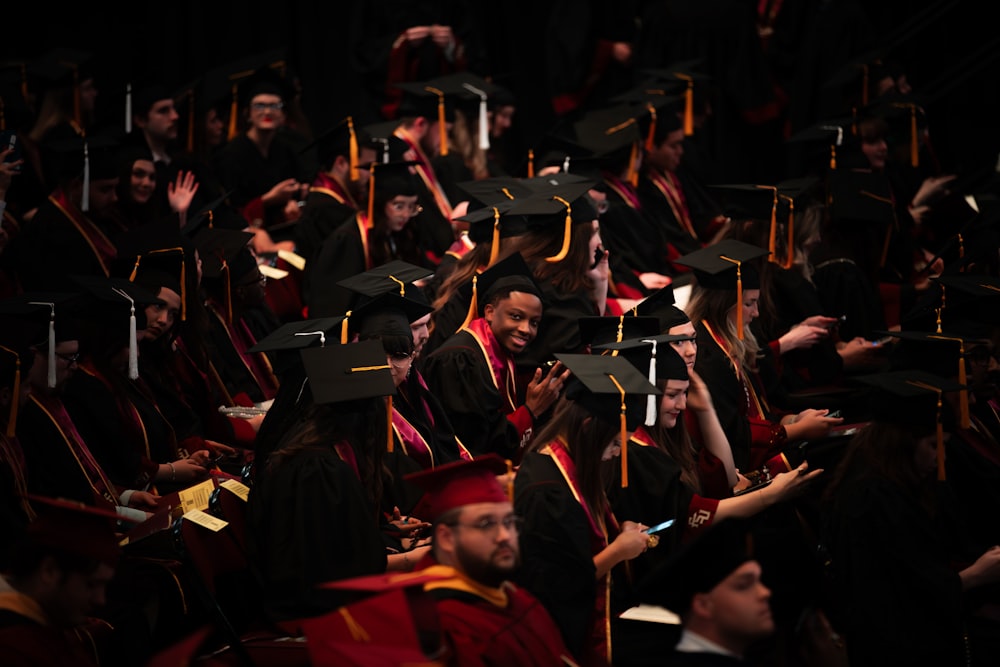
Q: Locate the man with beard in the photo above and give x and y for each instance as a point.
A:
(485, 619)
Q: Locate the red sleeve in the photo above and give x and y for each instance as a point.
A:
(701, 513)
(254, 212)
(243, 433)
(522, 421)
(712, 475)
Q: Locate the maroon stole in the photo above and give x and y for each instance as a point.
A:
(668, 186)
(13, 455)
(426, 173)
(256, 362)
(346, 454)
(104, 490)
(103, 249)
(411, 441)
(603, 530)
(364, 229)
(624, 190)
(499, 361)
(642, 437)
(331, 188)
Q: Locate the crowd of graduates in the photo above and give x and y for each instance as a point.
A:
(397, 391)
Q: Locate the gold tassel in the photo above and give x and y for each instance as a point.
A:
(234, 110)
(473, 304)
(772, 237)
(961, 247)
(353, 149)
(652, 128)
(633, 173)
(402, 285)
(623, 432)
(790, 256)
(510, 480)
(390, 444)
(371, 197)
(739, 296)
(833, 156)
(442, 123)
(15, 393)
(343, 328)
(229, 296)
(531, 163)
(567, 232)
(963, 396)
(495, 247)
(689, 107)
(914, 143)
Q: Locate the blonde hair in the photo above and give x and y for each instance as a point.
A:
(714, 306)
(465, 139)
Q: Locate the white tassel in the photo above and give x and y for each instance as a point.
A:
(52, 349)
(133, 347)
(85, 205)
(321, 334)
(128, 108)
(484, 128)
(651, 412)
(566, 165)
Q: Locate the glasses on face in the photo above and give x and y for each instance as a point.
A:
(400, 358)
(490, 526)
(69, 358)
(602, 207)
(405, 207)
(267, 106)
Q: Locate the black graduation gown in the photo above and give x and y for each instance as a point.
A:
(632, 234)
(321, 216)
(247, 174)
(727, 393)
(458, 374)
(845, 287)
(309, 520)
(556, 552)
(654, 494)
(900, 600)
(423, 410)
(340, 256)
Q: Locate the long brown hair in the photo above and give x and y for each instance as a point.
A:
(713, 306)
(676, 442)
(360, 423)
(586, 437)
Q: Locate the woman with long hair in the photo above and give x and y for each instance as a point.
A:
(316, 509)
(723, 304)
(571, 539)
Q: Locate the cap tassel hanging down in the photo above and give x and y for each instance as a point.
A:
(473, 303)
(790, 248)
(15, 392)
(128, 108)
(133, 349)
(939, 428)
(531, 163)
(963, 395)
(182, 278)
(739, 295)
(567, 231)
(623, 432)
(371, 197)
(442, 126)
(688, 104)
(940, 310)
(495, 247)
(772, 237)
(652, 127)
(234, 111)
(51, 379)
(85, 204)
(229, 297)
(343, 328)
(484, 128)
(353, 148)
(651, 399)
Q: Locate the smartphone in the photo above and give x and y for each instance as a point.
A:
(835, 414)
(8, 140)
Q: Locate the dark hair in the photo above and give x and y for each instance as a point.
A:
(676, 442)
(361, 423)
(569, 274)
(586, 437)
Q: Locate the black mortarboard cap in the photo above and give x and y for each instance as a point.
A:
(92, 158)
(653, 356)
(345, 138)
(304, 333)
(699, 565)
(61, 68)
(392, 277)
(388, 147)
(860, 197)
(427, 99)
(387, 314)
(42, 319)
(612, 390)
(558, 208)
(219, 247)
(688, 81)
(340, 373)
(912, 399)
(612, 135)
(598, 330)
(726, 265)
(472, 95)
(491, 191)
(217, 213)
(662, 305)
(491, 223)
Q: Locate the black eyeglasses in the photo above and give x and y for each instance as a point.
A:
(490, 526)
(69, 358)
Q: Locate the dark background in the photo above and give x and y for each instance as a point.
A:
(182, 40)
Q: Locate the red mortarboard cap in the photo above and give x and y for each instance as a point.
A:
(71, 526)
(459, 483)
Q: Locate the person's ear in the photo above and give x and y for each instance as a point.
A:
(701, 605)
(489, 310)
(444, 538)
